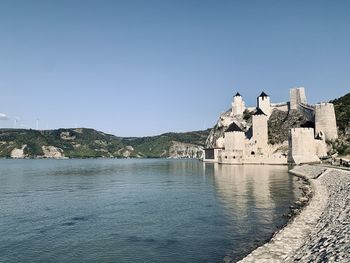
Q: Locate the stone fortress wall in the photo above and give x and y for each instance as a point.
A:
(325, 120)
(235, 141)
(305, 145)
(302, 146)
(238, 105)
(282, 106)
(263, 103)
(260, 132)
(297, 96)
(322, 114)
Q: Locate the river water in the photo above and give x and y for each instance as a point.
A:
(98, 210)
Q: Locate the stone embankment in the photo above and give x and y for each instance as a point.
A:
(321, 232)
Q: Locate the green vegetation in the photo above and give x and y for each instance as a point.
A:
(247, 116)
(280, 123)
(89, 143)
(158, 146)
(342, 111)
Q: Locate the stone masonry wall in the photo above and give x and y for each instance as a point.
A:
(302, 147)
(234, 140)
(260, 132)
(325, 120)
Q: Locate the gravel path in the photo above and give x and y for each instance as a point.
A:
(321, 232)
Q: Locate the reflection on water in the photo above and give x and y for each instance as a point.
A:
(253, 195)
(244, 186)
(138, 210)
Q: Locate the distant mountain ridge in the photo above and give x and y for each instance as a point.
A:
(90, 143)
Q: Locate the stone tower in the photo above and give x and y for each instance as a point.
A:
(302, 146)
(325, 120)
(297, 95)
(263, 103)
(234, 138)
(260, 133)
(238, 105)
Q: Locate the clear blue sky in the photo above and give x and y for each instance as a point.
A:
(135, 68)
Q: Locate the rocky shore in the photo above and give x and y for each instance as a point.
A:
(321, 232)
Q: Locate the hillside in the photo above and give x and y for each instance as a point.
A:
(280, 122)
(167, 144)
(342, 113)
(89, 143)
(279, 125)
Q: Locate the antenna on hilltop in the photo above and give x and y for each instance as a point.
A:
(37, 124)
(15, 123)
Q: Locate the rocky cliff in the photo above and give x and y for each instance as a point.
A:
(278, 125)
(225, 119)
(280, 122)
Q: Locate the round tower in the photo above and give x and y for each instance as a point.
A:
(238, 105)
(325, 120)
(263, 103)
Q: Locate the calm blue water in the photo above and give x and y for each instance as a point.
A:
(138, 210)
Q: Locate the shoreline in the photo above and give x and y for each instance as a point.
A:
(320, 232)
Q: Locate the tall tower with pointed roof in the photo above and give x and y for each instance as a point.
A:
(263, 103)
(234, 138)
(238, 105)
(260, 132)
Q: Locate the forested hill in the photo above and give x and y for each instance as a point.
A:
(342, 111)
(85, 143)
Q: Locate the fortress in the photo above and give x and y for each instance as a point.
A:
(248, 143)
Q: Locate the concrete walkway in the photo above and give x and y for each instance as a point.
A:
(321, 232)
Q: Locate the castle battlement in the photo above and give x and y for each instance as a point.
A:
(304, 144)
(234, 132)
(302, 129)
(260, 117)
(324, 104)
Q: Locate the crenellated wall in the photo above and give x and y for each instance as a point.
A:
(238, 105)
(282, 106)
(263, 103)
